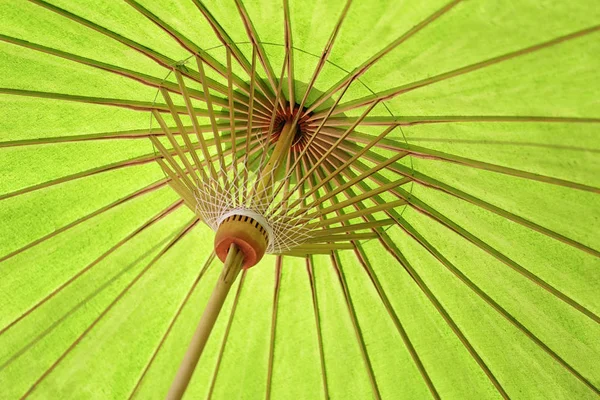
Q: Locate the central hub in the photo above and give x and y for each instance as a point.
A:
(247, 233)
(301, 133)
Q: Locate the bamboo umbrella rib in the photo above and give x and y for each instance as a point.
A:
(493, 304)
(178, 37)
(181, 176)
(321, 63)
(426, 153)
(235, 51)
(121, 103)
(429, 211)
(383, 297)
(145, 79)
(289, 56)
(160, 59)
(311, 139)
(145, 159)
(276, 289)
(326, 52)
(236, 299)
(346, 164)
(136, 161)
(448, 320)
(118, 135)
(230, 99)
(197, 52)
(311, 281)
(184, 134)
(433, 183)
(273, 116)
(70, 312)
(352, 228)
(397, 323)
(188, 227)
(357, 199)
(405, 226)
(357, 72)
(350, 307)
(183, 303)
(423, 152)
(358, 214)
(111, 250)
(353, 182)
(176, 183)
(438, 217)
(249, 130)
(448, 119)
(213, 120)
(391, 93)
(376, 177)
(362, 210)
(341, 238)
(147, 189)
(395, 252)
(359, 137)
(257, 45)
(316, 164)
(430, 182)
(357, 330)
(197, 128)
(176, 147)
(288, 173)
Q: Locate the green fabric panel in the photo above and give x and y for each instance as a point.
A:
(347, 376)
(505, 350)
(296, 359)
(571, 334)
(395, 372)
(453, 372)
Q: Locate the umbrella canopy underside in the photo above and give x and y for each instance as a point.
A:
(471, 271)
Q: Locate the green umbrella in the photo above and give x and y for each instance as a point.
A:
(416, 181)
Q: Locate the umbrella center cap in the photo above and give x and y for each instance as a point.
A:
(285, 115)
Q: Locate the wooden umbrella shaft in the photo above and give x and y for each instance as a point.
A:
(231, 269)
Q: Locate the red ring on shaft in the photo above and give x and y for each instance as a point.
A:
(247, 234)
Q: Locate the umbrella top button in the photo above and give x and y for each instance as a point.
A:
(302, 126)
(247, 233)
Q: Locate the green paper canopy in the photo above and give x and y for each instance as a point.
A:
(463, 135)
